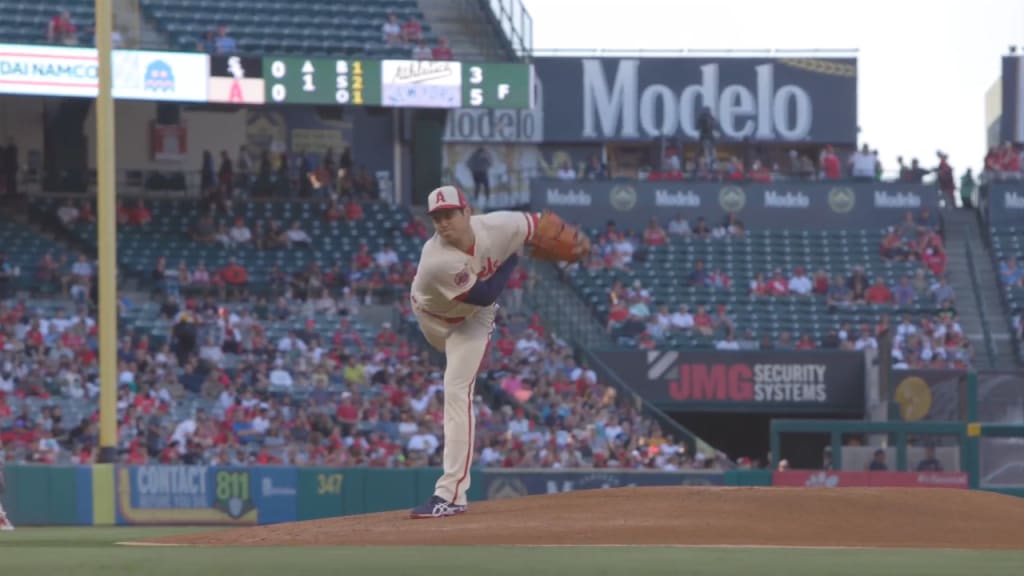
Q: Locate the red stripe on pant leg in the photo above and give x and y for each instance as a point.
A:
(469, 415)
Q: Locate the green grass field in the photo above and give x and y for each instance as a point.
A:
(92, 552)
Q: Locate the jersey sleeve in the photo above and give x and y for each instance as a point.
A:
(516, 228)
(452, 279)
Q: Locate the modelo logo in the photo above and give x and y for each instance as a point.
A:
(798, 200)
(803, 383)
(676, 199)
(1013, 200)
(623, 110)
(472, 125)
(885, 199)
(581, 198)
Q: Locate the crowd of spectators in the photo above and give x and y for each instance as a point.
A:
(309, 400)
(933, 342)
(217, 42)
(227, 384)
(410, 34)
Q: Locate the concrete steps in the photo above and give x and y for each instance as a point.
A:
(465, 25)
(974, 278)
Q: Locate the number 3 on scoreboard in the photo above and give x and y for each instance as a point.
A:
(329, 484)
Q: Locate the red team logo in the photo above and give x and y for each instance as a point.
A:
(462, 278)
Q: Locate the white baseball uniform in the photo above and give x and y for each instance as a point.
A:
(462, 331)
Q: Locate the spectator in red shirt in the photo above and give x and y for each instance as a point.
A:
(702, 321)
(235, 277)
(935, 259)
(805, 343)
(821, 282)
(830, 164)
(654, 235)
(878, 293)
(412, 30)
(139, 215)
(61, 30)
(778, 285)
(362, 260)
(760, 173)
(353, 211)
(442, 51)
(415, 229)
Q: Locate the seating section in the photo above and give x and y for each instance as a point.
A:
(24, 249)
(1008, 242)
(334, 243)
(259, 27)
(665, 271)
(26, 22)
(303, 27)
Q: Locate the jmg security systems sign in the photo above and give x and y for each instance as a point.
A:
(788, 100)
(778, 382)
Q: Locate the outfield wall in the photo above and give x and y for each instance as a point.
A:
(106, 495)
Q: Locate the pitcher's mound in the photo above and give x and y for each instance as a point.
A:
(883, 517)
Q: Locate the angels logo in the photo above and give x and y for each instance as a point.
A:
(822, 480)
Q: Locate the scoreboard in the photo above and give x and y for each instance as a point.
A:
(397, 83)
(296, 80)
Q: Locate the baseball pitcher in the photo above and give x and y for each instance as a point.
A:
(462, 271)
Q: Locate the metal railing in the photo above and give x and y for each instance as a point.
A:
(516, 23)
(702, 52)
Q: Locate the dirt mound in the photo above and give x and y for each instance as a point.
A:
(884, 517)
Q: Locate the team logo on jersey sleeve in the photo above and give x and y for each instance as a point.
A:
(462, 278)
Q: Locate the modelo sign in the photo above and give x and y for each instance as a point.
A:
(791, 100)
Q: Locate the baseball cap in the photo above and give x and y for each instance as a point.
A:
(445, 198)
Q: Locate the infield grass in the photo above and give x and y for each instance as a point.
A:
(92, 552)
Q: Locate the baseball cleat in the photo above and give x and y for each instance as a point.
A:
(5, 524)
(436, 507)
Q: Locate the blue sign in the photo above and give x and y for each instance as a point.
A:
(196, 495)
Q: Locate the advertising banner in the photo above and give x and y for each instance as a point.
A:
(1006, 203)
(807, 205)
(819, 382)
(162, 76)
(237, 80)
(500, 484)
(48, 70)
(764, 99)
(930, 395)
(421, 84)
(204, 495)
(826, 479)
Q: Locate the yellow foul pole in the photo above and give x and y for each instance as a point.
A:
(106, 214)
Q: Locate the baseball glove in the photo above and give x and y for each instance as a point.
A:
(556, 241)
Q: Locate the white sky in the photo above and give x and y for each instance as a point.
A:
(923, 66)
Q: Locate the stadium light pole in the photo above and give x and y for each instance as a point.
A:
(106, 234)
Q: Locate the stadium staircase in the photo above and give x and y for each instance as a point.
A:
(469, 27)
(563, 312)
(975, 280)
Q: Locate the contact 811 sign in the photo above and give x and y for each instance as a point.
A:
(397, 83)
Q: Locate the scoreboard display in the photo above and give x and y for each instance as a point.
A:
(397, 83)
(296, 80)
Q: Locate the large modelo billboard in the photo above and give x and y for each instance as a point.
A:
(763, 99)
